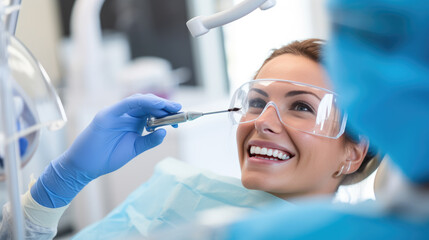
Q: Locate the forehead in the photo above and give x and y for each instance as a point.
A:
(295, 68)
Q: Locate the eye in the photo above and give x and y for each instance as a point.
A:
(302, 107)
(257, 103)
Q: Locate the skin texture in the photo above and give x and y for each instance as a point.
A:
(315, 159)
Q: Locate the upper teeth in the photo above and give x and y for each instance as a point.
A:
(269, 152)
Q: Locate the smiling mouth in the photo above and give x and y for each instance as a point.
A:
(269, 153)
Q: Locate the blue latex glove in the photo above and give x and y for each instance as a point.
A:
(113, 138)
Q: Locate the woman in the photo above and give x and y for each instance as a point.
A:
(317, 160)
(291, 143)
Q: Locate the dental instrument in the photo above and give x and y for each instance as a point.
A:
(182, 117)
(201, 25)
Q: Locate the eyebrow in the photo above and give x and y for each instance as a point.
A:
(294, 93)
(289, 94)
(262, 92)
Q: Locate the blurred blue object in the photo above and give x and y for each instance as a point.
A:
(315, 220)
(23, 143)
(112, 139)
(378, 59)
(173, 196)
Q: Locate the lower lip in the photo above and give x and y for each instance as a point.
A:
(265, 161)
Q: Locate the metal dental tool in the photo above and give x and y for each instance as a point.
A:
(182, 117)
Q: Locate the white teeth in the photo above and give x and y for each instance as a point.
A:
(252, 150)
(275, 153)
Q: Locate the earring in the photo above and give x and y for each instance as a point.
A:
(339, 173)
(349, 166)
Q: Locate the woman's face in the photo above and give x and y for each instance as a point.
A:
(314, 159)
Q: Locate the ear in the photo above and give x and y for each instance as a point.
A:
(356, 153)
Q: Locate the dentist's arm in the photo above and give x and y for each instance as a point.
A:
(112, 139)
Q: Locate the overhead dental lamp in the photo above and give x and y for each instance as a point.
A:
(201, 25)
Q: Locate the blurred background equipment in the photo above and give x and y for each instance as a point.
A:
(28, 104)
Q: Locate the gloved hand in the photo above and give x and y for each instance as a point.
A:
(111, 140)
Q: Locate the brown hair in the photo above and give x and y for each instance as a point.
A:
(309, 48)
(312, 49)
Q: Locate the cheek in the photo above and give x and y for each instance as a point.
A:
(319, 152)
(243, 133)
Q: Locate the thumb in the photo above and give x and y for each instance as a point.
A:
(149, 141)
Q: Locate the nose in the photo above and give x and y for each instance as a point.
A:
(269, 121)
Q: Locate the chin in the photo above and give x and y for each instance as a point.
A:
(254, 182)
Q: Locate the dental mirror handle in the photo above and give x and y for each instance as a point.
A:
(154, 122)
(201, 25)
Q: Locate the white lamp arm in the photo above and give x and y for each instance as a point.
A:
(202, 24)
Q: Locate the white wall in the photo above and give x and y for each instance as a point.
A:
(39, 28)
(208, 51)
(249, 40)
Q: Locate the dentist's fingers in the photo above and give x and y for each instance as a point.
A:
(139, 105)
(149, 141)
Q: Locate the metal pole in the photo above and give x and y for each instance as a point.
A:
(12, 156)
(12, 18)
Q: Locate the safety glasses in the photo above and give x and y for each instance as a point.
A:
(301, 106)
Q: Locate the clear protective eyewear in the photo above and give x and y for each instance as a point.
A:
(301, 106)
